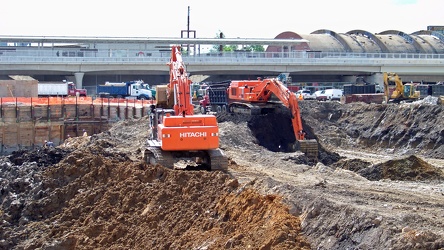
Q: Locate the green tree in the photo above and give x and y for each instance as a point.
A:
(256, 48)
(228, 48)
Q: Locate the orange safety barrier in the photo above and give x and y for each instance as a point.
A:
(28, 101)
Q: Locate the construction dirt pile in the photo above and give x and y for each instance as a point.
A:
(378, 184)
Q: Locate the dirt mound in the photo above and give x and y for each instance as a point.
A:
(98, 198)
(354, 165)
(409, 168)
(398, 128)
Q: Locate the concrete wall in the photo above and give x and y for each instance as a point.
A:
(18, 88)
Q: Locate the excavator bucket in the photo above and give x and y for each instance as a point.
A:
(309, 148)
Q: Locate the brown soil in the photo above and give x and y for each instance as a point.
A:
(378, 185)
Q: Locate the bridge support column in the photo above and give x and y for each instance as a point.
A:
(79, 79)
(377, 78)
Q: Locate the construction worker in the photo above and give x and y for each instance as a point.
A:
(85, 134)
(301, 97)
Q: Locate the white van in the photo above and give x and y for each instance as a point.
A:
(330, 94)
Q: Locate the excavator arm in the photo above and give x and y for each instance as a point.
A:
(180, 84)
(393, 77)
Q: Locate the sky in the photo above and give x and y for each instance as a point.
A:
(235, 18)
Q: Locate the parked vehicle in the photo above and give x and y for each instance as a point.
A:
(132, 89)
(63, 88)
(306, 94)
(329, 94)
(317, 93)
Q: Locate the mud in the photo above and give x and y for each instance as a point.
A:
(378, 184)
(42, 156)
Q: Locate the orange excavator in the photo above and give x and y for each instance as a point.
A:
(181, 139)
(254, 97)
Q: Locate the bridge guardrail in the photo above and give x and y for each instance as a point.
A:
(131, 57)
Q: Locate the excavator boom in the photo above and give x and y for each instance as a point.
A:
(268, 86)
(180, 84)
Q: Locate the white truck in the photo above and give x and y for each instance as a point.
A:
(63, 88)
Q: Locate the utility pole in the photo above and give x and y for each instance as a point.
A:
(187, 32)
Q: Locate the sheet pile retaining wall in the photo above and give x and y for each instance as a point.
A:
(25, 123)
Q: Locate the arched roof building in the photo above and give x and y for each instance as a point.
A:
(361, 41)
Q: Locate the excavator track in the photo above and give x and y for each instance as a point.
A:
(214, 158)
(155, 155)
(218, 159)
(245, 108)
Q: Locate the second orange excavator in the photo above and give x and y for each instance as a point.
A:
(255, 97)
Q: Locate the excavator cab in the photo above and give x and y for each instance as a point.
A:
(156, 116)
(410, 91)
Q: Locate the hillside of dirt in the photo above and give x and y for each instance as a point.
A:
(378, 184)
(390, 129)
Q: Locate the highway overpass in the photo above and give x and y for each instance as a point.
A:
(91, 66)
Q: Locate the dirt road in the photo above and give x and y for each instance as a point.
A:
(341, 208)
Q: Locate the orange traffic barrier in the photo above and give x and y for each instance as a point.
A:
(28, 101)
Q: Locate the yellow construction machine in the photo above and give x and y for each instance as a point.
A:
(401, 91)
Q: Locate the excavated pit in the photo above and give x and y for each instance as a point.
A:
(274, 131)
(96, 193)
